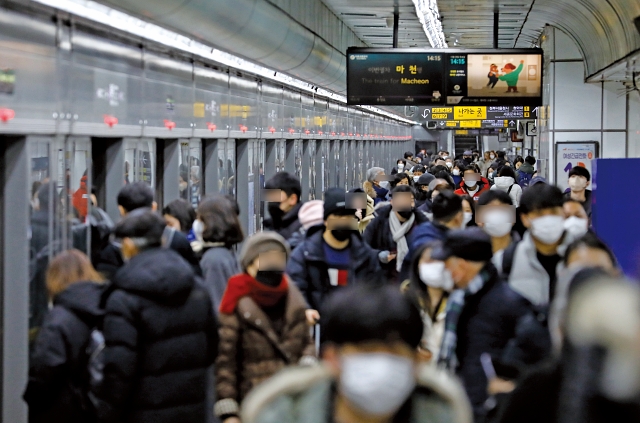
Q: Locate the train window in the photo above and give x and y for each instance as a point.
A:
(140, 161)
(261, 147)
(312, 169)
(297, 153)
(190, 175)
(222, 166)
(231, 167)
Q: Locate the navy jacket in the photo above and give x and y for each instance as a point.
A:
(379, 237)
(58, 361)
(308, 269)
(161, 337)
(425, 233)
(486, 324)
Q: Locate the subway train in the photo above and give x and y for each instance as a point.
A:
(91, 101)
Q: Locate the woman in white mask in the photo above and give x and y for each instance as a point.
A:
(371, 371)
(428, 288)
(468, 208)
(401, 166)
(496, 216)
(576, 220)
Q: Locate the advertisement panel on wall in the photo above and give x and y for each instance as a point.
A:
(571, 154)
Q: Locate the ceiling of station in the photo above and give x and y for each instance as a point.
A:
(372, 21)
(469, 23)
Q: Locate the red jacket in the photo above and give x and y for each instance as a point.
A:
(483, 184)
(80, 199)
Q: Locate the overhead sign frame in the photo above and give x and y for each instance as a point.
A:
(517, 69)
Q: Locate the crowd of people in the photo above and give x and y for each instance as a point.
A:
(448, 290)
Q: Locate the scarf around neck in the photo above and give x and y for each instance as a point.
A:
(455, 306)
(244, 285)
(399, 231)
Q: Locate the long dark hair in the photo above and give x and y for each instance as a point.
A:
(220, 220)
(417, 291)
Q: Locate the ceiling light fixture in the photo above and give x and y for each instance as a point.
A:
(130, 24)
(429, 16)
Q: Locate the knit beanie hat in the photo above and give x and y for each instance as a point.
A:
(261, 243)
(335, 202)
(311, 214)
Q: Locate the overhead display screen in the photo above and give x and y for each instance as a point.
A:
(400, 77)
(394, 79)
(485, 79)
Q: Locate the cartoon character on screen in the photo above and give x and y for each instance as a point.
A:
(493, 76)
(510, 76)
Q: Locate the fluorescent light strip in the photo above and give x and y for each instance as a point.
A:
(429, 17)
(122, 21)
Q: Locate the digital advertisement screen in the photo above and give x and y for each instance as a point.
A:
(394, 79)
(464, 77)
(513, 78)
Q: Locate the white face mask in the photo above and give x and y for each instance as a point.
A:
(377, 383)
(577, 183)
(400, 166)
(198, 228)
(436, 276)
(449, 165)
(492, 156)
(471, 184)
(456, 172)
(415, 178)
(467, 218)
(497, 223)
(548, 229)
(576, 226)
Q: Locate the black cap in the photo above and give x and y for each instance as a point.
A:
(335, 202)
(472, 244)
(425, 179)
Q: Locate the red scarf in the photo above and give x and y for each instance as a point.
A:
(243, 285)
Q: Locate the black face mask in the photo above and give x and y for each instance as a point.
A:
(271, 278)
(341, 234)
(275, 212)
(405, 214)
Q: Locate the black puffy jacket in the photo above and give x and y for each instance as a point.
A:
(379, 237)
(288, 225)
(55, 392)
(308, 268)
(161, 337)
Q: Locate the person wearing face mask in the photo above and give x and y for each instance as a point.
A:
(263, 327)
(579, 180)
(482, 313)
(284, 213)
(372, 186)
(371, 370)
(132, 197)
(506, 181)
(389, 231)
(457, 171)
(472, 184)
(447, 213)
(218, 230)
(485, 161)
(448, 162)
(333, 257)
(422, 189)
(469, 210)
(537, 258)
(496, 218)
(401, 166)
(160, 331)
(418, 171)
(576, 219)
(428, 287)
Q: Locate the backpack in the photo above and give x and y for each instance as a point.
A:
(524, 179)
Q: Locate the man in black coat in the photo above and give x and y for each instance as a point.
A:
(333, 257)
(482, 313)
(132, 197)
(389, 232)
(160, 332)
(283, 205)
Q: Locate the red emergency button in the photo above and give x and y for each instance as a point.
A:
(272, 129)
(169, 124)
(211, 126)
(6, 115)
